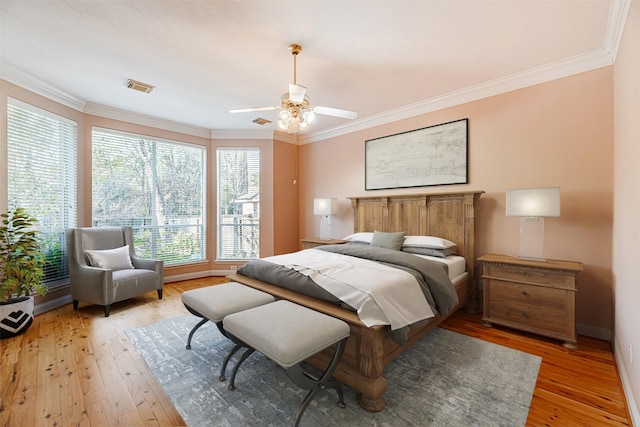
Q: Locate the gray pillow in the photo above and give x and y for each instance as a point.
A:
(388, 240)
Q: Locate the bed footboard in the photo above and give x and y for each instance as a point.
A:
(368, 350)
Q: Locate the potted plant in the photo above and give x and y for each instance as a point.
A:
(21, 271)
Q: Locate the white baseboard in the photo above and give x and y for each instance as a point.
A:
(66, 299)
(197, 275)
(626, 386)
(52, 304)
(592, 331)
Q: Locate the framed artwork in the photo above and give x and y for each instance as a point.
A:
(435, 155)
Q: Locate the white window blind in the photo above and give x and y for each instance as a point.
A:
(42, 177)
(238, 203)
(155, 186)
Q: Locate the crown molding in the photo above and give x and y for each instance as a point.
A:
(618, 11)
(144, 120)
(567, 67)
(588, 61)
(24, 80)
(241, 134)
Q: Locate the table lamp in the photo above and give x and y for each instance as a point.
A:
(325, 208)
(533, 204)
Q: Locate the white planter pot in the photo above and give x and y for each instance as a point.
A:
(15, 316)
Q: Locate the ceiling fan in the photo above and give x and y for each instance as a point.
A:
(296, 112)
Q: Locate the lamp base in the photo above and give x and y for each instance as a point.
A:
(531, 238)
(325, 227)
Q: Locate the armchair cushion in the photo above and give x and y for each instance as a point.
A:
(111, 259)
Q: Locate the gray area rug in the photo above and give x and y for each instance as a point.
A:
(446, 379)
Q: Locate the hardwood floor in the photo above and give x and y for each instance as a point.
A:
(79, 368)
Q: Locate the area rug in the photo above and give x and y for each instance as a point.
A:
(446, 379)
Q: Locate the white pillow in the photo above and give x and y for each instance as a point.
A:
(359, 237)
(428, 242)
(111, 259)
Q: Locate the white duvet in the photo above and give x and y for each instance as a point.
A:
(381, 295)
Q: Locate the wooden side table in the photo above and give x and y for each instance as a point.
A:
(532, 296)
(314, 241)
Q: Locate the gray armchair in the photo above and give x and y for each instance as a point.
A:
(100, 284)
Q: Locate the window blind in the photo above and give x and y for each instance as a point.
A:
(42, 177)
(155, 186)
(238, 203)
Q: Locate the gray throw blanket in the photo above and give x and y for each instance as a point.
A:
(431, 275)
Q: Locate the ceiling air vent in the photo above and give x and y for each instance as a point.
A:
(260, 121)
(139, 86)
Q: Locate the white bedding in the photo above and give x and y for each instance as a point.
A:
(456, 264)
(397, 301)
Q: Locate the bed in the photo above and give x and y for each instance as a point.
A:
(369, 349)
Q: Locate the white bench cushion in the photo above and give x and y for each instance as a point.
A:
(285, 332)
(217, 301)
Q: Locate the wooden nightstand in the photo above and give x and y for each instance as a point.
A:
(313, 242)
(533, 296)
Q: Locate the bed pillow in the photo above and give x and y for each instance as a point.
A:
(359, 238)
(111, 259)
(440, 253)
(388, 240)
(428, 242)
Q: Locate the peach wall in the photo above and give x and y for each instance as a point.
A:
(285, 198)
(556, 133)
(626, 233)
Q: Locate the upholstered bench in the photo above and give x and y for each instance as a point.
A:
(288, 333)
(215, 302)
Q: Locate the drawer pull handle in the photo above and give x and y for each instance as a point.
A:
(525, 293)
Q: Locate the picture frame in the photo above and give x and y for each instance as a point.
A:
(433, 155)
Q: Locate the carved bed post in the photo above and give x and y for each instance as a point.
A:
(371, 366)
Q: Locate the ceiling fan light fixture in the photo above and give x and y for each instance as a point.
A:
(309, 116)
(296, 112)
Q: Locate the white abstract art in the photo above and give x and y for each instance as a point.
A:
(435, 155)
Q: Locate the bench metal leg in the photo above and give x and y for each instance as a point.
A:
(228, 357)
(245, 355)
(193, 330)
(306, 381)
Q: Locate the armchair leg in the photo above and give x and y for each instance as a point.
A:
(75, 304)
(159, 293)
(107, 309)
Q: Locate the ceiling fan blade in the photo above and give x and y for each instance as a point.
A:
(250, 109)
(297, 92)
(335, 112)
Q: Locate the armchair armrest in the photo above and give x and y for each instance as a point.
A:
(147, 264)
(154, 265)
(91, 284)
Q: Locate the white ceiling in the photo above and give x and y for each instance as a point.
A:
(379, 58)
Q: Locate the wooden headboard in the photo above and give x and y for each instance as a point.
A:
(447, 215)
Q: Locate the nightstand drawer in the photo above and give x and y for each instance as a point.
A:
(540, 296)
(530, 275)
(529, 317)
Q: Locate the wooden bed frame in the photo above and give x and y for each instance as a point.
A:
(369, 350)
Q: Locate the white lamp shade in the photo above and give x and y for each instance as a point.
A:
(534, 202)
(325, 206)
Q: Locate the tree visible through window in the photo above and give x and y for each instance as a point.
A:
(42, 172)
(155, 186)
(238, 203)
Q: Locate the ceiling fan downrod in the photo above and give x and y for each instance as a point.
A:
(295, 50)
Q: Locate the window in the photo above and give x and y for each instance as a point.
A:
(238, 203)
(42, 172)
(155, 186)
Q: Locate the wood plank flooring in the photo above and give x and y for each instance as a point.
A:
(78, 368)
